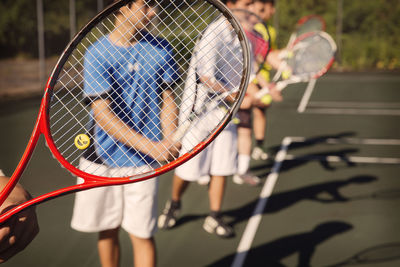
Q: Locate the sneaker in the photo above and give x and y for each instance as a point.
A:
(217, 226)
(259, 154)
(246, 179)
(167, 219)
(204, 180)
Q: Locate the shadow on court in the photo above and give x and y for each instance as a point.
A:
(304, 244)
(315, 141)
(325, 193)
(321, 157)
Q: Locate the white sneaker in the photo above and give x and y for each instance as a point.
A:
(246, 179)
(168, 218)
(218, 227)
(259, 154)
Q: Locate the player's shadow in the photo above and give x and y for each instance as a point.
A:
(327, 192)
(321, 157)
(315, 141)
(304, 244)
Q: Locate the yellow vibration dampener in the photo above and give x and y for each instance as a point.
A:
(266, 99)
(82, 141)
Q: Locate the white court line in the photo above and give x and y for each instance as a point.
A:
(255, 219)
(370, 160)
(347, 104)
(352, 111)
(306, 97)
(365, 141)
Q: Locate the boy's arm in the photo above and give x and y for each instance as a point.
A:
(169, 114)
(110, 123)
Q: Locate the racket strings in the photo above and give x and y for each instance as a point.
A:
(311, 55)
(181, 24)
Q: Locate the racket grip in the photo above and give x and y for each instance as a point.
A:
(181, 131)
(264, 91)
(280, 85)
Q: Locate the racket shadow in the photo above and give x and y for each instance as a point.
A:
(305, 243)
(386, 194)
(377, 254)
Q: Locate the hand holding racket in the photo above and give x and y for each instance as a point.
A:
(113, 96)
(309, 57)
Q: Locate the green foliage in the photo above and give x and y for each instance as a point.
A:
(18, 25)
(370, 30)
(370, 37)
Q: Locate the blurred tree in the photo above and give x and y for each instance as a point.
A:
(370, 30)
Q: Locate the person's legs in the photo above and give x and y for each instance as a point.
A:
(244, 151)
(172, 208)
(216, 192)
(109, 248)
(259, 124)
(178, 188)
(214, 223)
(144, 251)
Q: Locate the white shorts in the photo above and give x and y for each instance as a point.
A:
(131, 206)
(218, 158)
(2, 173)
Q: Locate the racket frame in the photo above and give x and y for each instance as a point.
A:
(296, 79)
(268, 33)
(42, 125)
(303, 20)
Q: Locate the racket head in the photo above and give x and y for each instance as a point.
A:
(311, 55)
(172, 29)
(257, 34)
(310, 23)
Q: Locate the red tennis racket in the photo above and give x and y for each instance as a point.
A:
(258, 36)
(309, 57)
(309, 23)
(126, 114)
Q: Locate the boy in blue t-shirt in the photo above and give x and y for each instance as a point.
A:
(125, 85)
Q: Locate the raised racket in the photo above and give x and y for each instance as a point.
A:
(69, 116)
(258, 36)
(309, 23)
(310, 56)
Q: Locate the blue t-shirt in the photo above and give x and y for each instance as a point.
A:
(130, 77)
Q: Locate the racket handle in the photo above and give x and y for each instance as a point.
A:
(264, 91)
(280, 85)
(181, 131)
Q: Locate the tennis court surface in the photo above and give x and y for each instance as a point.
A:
(329, 197)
